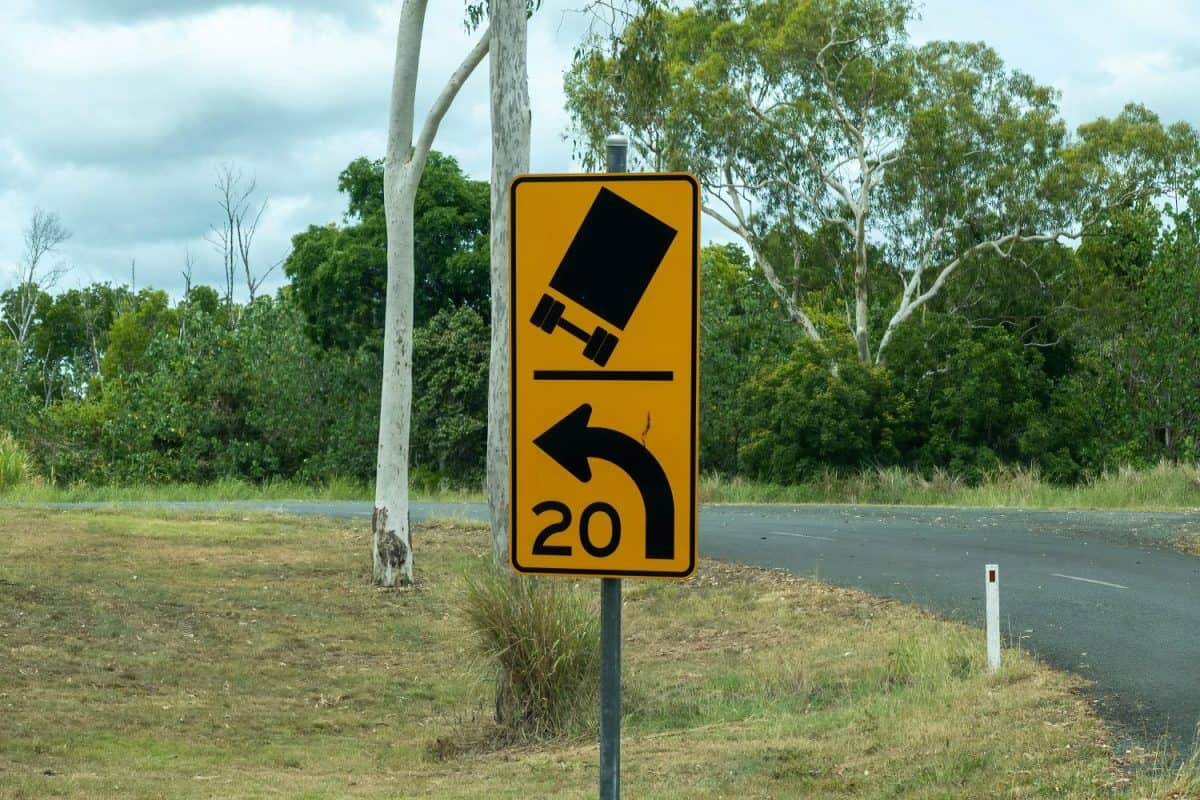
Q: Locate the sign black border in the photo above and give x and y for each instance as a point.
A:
(600, 177)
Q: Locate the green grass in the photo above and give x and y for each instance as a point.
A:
(226, 489)
(1163, 487)
(163, 655)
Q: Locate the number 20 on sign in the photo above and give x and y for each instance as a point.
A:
(604, 334)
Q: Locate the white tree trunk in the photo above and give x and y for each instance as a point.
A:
(510, 157)
(392, 536)
(862, 333)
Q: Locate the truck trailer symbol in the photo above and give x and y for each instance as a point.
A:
(606, 270)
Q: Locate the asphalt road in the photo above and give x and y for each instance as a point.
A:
(1097, 593)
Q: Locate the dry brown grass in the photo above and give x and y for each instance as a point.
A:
(170, 656)
(1189, 543)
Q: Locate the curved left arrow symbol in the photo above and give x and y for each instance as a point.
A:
(571, 442)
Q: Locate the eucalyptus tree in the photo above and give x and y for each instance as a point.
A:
(403, 164)
(42, 237)
(510, 113)
(802, 116)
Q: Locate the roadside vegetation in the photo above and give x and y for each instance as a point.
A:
(1040, 373)
(211, 655)
(35, 490)
(14, 464)
(1163, 487)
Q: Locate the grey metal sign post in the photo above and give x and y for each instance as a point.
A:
(610, 614)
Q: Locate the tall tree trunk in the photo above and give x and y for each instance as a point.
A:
(862, 328)
(402, 167)
(510, 157)
(391, 549)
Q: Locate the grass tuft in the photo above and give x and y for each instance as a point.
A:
(543, 637)
(14, 463)
(1180, 782)
(933, 662)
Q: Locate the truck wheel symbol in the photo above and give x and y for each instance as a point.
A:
(598, 345)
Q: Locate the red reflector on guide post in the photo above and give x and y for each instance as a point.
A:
(991, 576)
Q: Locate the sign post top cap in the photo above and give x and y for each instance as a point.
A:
(617, 140)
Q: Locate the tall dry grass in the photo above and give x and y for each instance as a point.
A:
(1165, 486)
(15, 468)
(543, 639)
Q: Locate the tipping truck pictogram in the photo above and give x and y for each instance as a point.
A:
(606, 270)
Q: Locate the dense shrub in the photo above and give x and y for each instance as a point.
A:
(821, 409)
(200, 401)
(979, 393)
(743, 332)
(450, 380)
(67, 442)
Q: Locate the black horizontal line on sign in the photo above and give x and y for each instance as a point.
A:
(603, 375)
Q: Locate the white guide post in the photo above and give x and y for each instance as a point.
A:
(992, 593)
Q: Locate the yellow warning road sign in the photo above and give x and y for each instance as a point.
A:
(604, 343)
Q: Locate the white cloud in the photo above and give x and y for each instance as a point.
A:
(116, 113)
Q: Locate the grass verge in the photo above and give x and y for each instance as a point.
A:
(200, 656)
(225, 489)
(1163, 487)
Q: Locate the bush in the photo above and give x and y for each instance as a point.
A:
(543, 636)
(982, 397)
(821, 410)
(67, 442)
(449, 402)
(14, 463)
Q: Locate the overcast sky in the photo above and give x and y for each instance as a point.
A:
(116, 114)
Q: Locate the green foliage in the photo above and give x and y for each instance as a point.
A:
(978, 393)
(74, 332)
(741, 332)
(339, 274)
(821, 409)
(133, 331)
(884, 192)
(543, 637)
(449, 413)
(18, 407)
(68, 440)
(822, 117)
(200, 402)
(1140, 356)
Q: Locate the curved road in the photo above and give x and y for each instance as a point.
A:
(1098, 593)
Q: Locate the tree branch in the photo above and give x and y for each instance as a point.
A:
(739, 227)
(449, 92)
(909, 304)
(404, 81)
